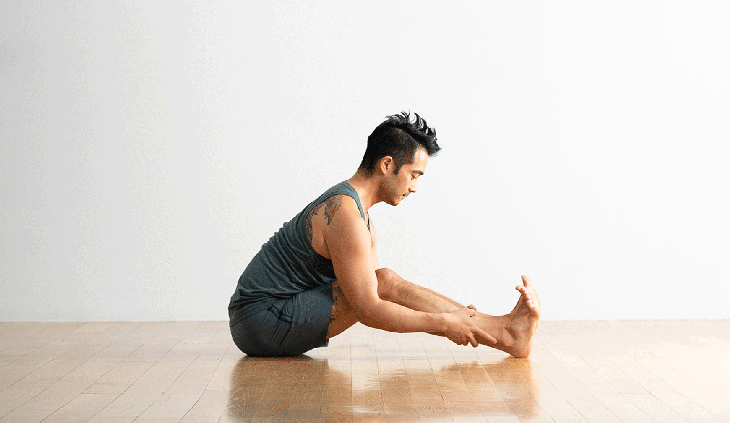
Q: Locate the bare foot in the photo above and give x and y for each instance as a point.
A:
(522, 321)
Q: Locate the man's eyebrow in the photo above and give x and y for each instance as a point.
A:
(420, 172)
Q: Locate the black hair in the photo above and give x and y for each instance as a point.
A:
(399, 137)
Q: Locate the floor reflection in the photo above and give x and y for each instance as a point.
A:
(369, 389)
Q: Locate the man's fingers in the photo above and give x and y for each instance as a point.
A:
(472, 306)
(472, 312)
(472, 341)
(487, 336)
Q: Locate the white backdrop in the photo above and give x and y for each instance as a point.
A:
(147, 151)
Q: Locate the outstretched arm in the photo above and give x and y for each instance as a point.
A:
(349, 245)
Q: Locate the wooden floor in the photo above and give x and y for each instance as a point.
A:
(638, 371)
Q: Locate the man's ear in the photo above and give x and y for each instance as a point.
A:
(385, 163)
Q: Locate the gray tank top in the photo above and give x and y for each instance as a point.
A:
(286, 265)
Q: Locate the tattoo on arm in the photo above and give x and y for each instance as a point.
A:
(308, 222)
(331, 206)
(337, 295)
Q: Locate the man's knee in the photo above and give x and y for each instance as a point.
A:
(389, 284)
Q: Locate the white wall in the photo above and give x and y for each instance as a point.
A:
(147, 151)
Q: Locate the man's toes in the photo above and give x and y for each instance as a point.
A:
(526, 281)
(533, 304)
(522, 290)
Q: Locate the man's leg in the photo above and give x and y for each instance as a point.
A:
(513, 331)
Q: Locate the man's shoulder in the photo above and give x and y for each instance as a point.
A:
(342, 206)
(335, 217)
(343, 228)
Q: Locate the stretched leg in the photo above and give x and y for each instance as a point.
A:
(513, 331)
(398, 290)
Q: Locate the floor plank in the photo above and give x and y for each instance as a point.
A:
(628, 371)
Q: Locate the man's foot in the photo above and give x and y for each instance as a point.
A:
(521, 323)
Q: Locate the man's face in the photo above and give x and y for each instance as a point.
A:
(399, 186)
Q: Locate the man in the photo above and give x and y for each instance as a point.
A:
(319, 274)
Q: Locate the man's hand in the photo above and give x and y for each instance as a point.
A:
(461, 329)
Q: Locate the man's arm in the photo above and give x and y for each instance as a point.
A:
(374, 253)
(349, 245)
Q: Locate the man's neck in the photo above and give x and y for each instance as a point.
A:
(367, 189)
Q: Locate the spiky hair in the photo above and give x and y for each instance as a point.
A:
(399, 137)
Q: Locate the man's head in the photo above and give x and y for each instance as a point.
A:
(395, 145)
(399, 137)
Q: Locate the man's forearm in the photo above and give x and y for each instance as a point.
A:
(393, 317)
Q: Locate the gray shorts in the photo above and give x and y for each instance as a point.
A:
(290, 327)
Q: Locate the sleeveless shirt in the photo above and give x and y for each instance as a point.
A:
(287, 264)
